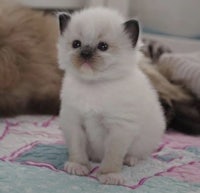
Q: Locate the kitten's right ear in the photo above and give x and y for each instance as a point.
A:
(64, 19)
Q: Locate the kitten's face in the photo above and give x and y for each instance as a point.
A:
(94, 43)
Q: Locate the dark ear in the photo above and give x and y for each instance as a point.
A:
(132, 28)
(64, 19)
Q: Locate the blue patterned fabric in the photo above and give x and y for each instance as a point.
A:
(32, 156)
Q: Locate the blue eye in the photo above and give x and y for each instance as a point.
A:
(76, 44)
(103, 46)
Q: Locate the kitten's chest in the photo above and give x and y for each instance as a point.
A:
(88, 105)
(86, 99)
(102, 99)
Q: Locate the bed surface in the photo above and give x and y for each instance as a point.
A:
(32, 154)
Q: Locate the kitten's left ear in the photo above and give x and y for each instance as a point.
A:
(64, 19)
(132, 28)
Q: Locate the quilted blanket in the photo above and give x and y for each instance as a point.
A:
(32, 154)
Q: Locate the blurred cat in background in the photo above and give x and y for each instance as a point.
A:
(180, 104)
(29, 77)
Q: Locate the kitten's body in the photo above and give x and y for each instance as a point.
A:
(109, 112)
(116, 104)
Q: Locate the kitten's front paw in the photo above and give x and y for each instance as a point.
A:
(111, 179)
(130, 160)
(76, 169)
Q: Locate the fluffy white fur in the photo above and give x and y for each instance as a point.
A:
(110, 112)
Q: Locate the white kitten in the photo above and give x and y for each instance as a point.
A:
(109, 112)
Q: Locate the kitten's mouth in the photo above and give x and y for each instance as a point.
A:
(87, 64)
(87, 67)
